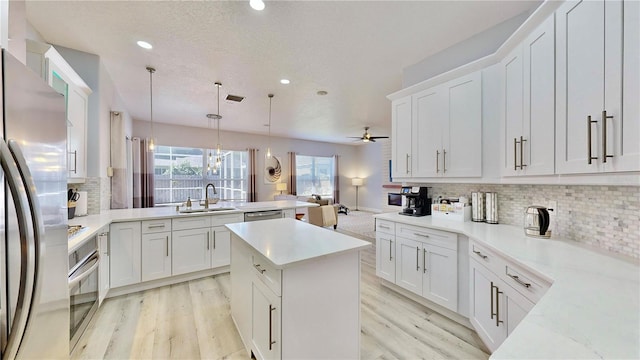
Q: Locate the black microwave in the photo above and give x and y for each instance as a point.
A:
(394, 199)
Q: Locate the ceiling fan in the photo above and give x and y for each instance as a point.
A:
(366, 137)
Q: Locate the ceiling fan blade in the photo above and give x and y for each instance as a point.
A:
(354, 137)
(379, 137)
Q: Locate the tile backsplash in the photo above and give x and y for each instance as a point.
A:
(607, 217)
(98, 193)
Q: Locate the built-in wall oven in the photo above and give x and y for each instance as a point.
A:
(83, 287)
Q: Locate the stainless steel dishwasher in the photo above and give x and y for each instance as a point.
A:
(262, 215)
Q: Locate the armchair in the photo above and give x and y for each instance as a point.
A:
(323, 215)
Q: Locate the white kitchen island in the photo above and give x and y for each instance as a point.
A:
(295, 290)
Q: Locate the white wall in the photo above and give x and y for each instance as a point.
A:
(176, 135)
(371, 170)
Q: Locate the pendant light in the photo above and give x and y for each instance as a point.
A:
(216, 117)
(152, 140)
(269, 147)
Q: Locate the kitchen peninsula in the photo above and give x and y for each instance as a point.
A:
(295, 290)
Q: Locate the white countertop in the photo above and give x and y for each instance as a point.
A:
(94, 223)
(592, 309)
(288, 242)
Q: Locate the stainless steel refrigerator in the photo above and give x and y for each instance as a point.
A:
(34, 295)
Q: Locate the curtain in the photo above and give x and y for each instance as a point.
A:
(142, 174)
(292, 173)
(336, 180)
(119, 188)
(252, 193)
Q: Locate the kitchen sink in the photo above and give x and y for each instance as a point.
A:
(203, 210)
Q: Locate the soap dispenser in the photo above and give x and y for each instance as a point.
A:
(189, 203)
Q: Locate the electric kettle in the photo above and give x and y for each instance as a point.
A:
(536, 222)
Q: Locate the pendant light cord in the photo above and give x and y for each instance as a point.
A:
(151, 71)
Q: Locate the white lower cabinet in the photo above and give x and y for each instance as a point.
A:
(156, 255)
(191, 250)
(502, 294)
(385, 256)
(125, 254)
(265, 326)
(425, 268)
(221, 247)
(305, 310)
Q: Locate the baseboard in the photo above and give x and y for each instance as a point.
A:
(166, 281)
(452, 315)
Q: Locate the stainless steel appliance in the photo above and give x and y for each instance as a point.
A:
(83, 287)
(491, 208)
(537, 221)
(34, 295)
(477, 207)
(418, 202)
(262, 215)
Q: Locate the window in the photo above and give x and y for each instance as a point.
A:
(314, 175)
(182, 172)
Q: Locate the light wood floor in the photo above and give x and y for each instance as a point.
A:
(192, 320)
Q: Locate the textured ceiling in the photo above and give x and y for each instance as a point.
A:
(354, 50)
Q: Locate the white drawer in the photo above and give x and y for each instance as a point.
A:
(384, 226)
(529, 285)
(443, 239)
(270, 276)
(487, 258)
(220, 220)
(156, 226)
(192, 222)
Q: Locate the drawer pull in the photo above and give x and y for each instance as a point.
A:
(257, 266)
(155, 226)
(422, 235)
(384, 227)
(480, 254)
(517, 279)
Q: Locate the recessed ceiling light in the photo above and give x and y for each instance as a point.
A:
(322, 93)
(285, 81)
(144, 44)
(257, 4)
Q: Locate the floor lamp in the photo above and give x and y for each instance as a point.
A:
(357, 182)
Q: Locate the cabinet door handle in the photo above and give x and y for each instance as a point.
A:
(517, 279)
(589, 154)
(75, 161)
(208, 239)
(498, 321)
(492, 301)
(515, 154)
(257, 266)
(479, 254)
(444, 161)
(214, 240)
(417, 257)
(424, 261)
(271, 341)
(604, 136)
(167, 244)
(407, 163)
(522, 165)
(155, 226)
(390, 244)
(437, 161)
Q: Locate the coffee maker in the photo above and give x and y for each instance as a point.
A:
(417, 201)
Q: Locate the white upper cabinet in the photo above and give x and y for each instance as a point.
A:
(437, 132)
(461, 154)
(528, 113)
(401, 138)
(598, 124)
(51, 66)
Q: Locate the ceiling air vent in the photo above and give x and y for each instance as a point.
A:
(235, 98)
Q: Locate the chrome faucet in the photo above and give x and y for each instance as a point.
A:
(206, 194)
